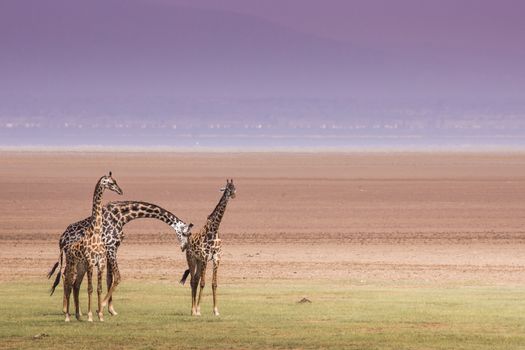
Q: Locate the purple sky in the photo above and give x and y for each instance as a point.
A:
(292, 48)
(279, 61)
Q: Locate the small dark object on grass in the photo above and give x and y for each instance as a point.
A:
(40, 336)
(304, 301)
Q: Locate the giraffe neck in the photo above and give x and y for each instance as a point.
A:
(215, 218)
(126, 211)
(96, 212)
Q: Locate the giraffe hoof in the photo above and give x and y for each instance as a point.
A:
(112, 311)
(90, 317)
(77, 316)
(68, 319)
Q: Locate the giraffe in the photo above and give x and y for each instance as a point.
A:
(87, 253)
(203, 247)
(114, 216)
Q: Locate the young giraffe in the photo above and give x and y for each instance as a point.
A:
(114, 216)
(204, 246)
(88, 253)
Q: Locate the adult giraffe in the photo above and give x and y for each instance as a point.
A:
(205, 246)
(89, 253)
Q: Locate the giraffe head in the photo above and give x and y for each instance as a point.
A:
(229, 189)
(108, 182)
(183, 233)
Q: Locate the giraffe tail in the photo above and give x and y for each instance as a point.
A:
(57, 279)
(184, 276)
(52, 270)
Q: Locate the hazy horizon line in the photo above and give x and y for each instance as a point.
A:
(334, 150)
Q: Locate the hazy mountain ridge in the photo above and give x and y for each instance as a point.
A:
(135, 47)
(69, 48)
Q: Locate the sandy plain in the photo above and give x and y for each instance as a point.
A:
(424, 218)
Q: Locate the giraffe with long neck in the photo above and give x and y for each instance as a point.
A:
(115, 215)
(89, 253)
(205, 246)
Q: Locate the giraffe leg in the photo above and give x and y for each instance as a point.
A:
(90, 291)
(76, 291)
(68, 282)
(192, 268)
(214, 287)
(115, 276)
(202, 284)
(195, 278)
(64, 299)
(109, 282)
(100, 274)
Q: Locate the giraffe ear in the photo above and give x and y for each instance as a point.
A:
(110, 174)
(223, 189)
